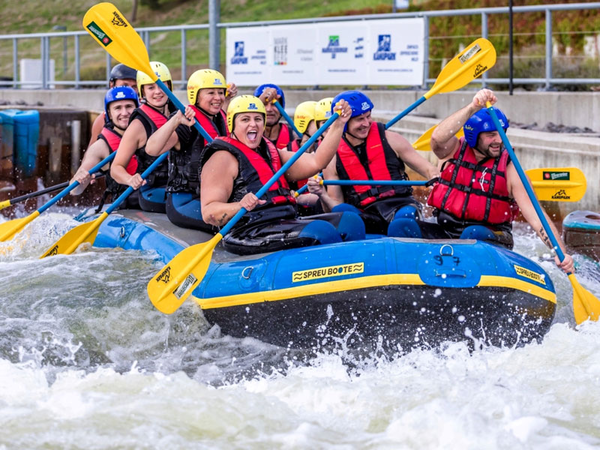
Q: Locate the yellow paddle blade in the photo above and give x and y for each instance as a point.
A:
(474, 60)
(585, 304)
(109, 27)
(4, 204)
(12, 227)
(169, 288)
(423, 144)
(561, 184)
(86, 232)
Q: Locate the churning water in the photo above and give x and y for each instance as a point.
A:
(86, 362)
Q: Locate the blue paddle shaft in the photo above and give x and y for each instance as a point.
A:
(280, 172)
(74, 184)
(374, 182)
(286, 117)
(129, 190)
(181, 108)
(525, 181)
(405, 112)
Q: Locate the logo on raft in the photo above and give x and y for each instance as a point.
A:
(53, 251)
(522, 271)
(326, 272)
(164, 276)
(100, 35)
(118, 21)
(557, 176)
(561, 195)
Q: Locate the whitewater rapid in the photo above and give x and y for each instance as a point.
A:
(87, 362)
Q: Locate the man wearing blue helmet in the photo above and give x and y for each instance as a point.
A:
(119, 104)
(277, 132)
(120, 75)
(367, 151)
(479, 191)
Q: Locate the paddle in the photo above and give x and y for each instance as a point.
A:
(110, 29)
(585, 304)
(22, 198)
(12, 227)
(561, 184)
(378, 182)
(86, 232)
(474, 60)
(287, 118)
(169, 288)
(423, 144)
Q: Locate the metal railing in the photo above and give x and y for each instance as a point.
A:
(215, 49)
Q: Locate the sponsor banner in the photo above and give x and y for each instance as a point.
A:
(379, 52)
(248, 58)
(294, 59)
(396, 56)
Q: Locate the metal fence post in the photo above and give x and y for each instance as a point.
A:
(548, 48)
(77, 63)
(484, 34)
(15, 63)
(425, 53)
(183, 58)
(214, 36)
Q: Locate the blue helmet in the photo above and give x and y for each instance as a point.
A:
(358, 101)
(119, 93)
(481, 122)
(259, 90)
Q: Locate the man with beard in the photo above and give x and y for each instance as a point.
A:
(367, 151)
(479, 189)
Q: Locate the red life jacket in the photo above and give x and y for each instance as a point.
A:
(152, 120)
(294, 146)
(255, 169)
(184, 164)
(113, 139)
(208, 125)
(285, 136)
(468, 190)
(380, 163)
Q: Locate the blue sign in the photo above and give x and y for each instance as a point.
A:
(238, 54)
(384, 48)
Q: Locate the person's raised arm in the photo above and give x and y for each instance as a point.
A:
(443, 140)
(134, 138)
(165, 138)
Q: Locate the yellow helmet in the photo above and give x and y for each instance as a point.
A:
(160, 70)
(323, 109)
(204, 79)
(241, 104)
(305, 112)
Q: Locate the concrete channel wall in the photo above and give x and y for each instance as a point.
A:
(533, 148)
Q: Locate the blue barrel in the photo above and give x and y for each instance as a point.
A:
(26, 136)
(7, 131)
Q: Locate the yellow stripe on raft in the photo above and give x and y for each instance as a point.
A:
(362, 283)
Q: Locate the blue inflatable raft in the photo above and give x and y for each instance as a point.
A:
(377, 293)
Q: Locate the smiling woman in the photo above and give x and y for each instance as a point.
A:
(233, 169)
